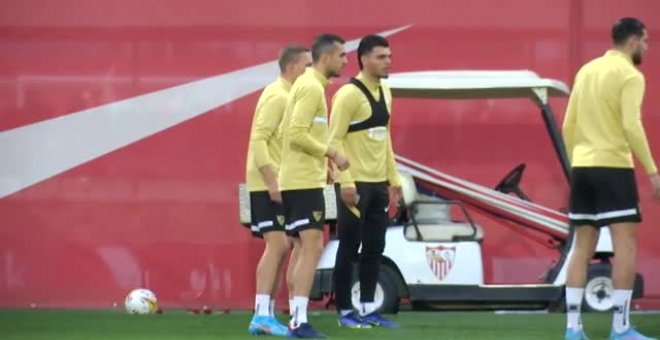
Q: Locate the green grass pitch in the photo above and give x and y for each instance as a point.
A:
(112, 324)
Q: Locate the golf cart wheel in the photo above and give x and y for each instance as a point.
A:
(598, 293)
(386, 296)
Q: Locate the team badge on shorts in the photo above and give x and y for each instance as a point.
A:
(317, 215)
(280, 219)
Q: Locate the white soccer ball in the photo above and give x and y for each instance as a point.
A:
(141, 301)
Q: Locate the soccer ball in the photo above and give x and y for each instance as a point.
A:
(141, 301)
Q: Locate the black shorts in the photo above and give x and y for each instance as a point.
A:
(266, 215)
(303, 209)
(601, 196)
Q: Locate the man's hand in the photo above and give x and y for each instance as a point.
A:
(397, 194)
(349, 196)
(275, 194)
(655, 185)
(331, 175)
(269, 175)
(340, 161)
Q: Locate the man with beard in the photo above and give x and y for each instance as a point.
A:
(602, 129)
(303, 172)
(360, 129)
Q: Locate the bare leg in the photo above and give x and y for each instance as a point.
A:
(268, 270)
(312, 246)
(293, 262)
(586, 238)
(624, 237)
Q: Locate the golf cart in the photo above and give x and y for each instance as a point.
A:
(433, 253)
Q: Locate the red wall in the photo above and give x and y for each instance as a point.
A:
(162, 212)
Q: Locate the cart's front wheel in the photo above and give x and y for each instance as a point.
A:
(386, 296)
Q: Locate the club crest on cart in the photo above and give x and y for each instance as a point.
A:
(440, 260)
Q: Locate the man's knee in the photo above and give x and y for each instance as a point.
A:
(294, 242)
(312, 241)
(316, 248)
(276, 242)
(624, 236)
(276, 237)
(582, 255)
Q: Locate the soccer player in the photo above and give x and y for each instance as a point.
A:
(602, 129)
(360, 128)
(303, 173)
(263, 161)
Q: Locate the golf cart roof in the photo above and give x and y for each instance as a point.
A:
(475, 85)
(483, 85)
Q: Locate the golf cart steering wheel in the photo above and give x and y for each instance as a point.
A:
(511, 182)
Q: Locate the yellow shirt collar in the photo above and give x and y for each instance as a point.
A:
(285, 83)
(370, 84)
(617, 53)
(316, 74)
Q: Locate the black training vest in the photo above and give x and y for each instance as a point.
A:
(379, 114)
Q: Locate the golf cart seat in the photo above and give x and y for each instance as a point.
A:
(430, 218)
(447, 232)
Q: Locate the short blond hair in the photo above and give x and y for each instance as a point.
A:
(290, 54)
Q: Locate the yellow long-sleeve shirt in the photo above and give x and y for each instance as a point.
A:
(603, 121)
(305, 134)
(369, 151)
(265, 143)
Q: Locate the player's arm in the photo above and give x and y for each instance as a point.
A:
(632, 94)
(568, 129)
(269, 116)
(392, 174)
(303, 116)
(342, 113)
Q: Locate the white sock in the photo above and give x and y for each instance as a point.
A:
(299, 311)
(262, 304)
(345, 312)
(367, 308)
(574, 298)
(271, 308)
(291, 307)
(620, 321)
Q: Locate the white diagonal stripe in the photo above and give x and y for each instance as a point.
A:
(591, 217)
(36, 152)
(297, 224)
(603, 215)
(264, 224)
(616, 213)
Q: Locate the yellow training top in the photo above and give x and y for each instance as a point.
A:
(265, 146)
(305, 134)
(603, 121)
(368, 149)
